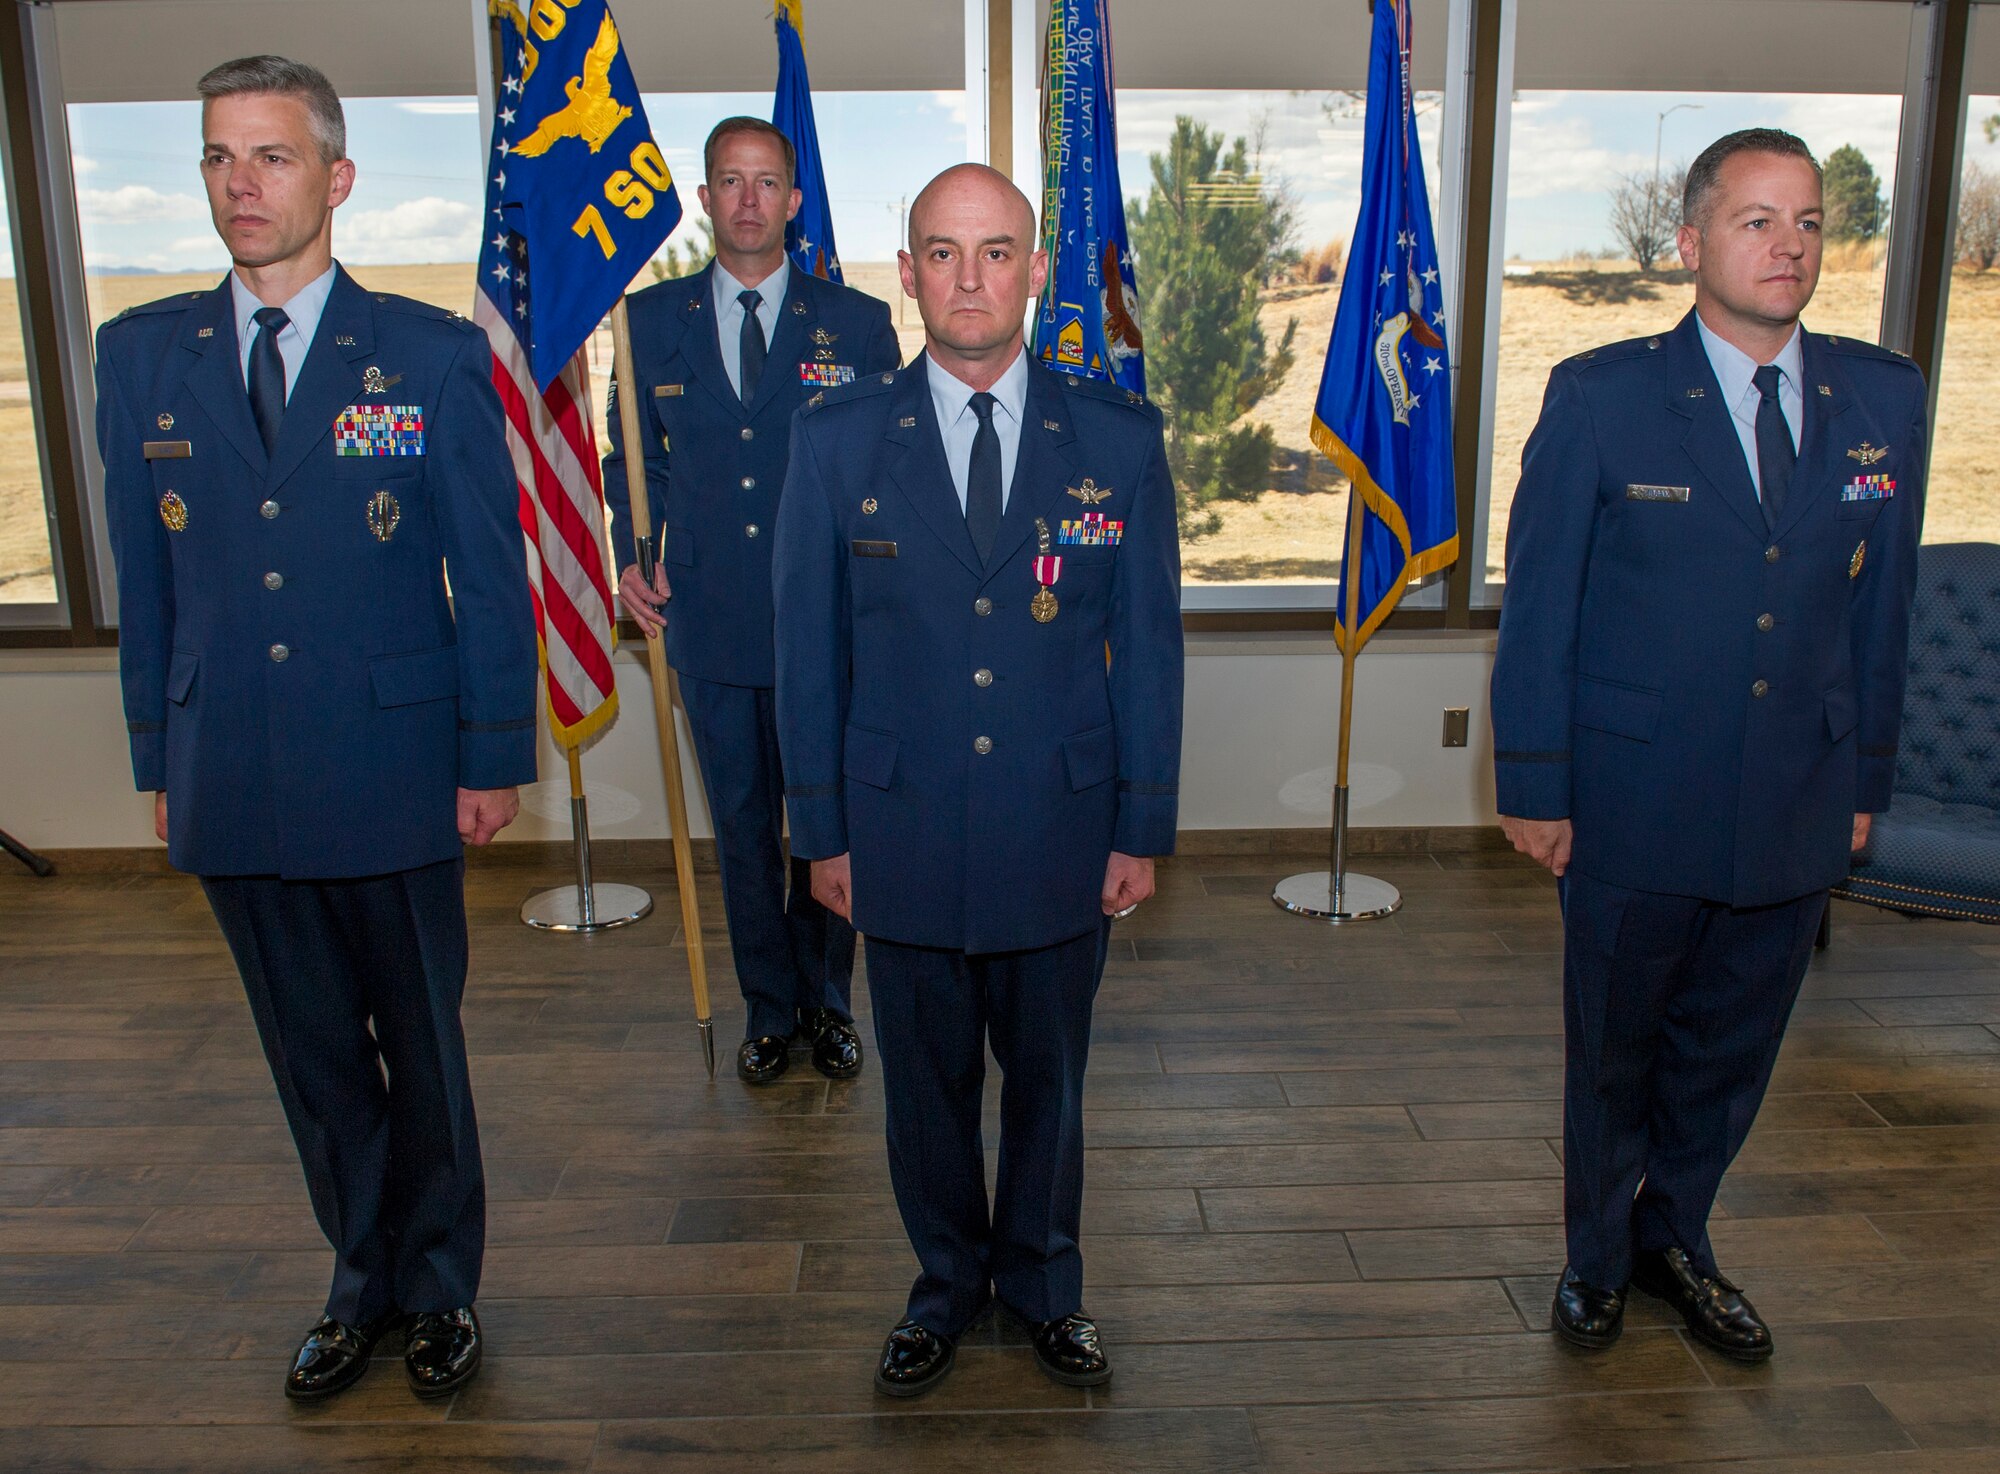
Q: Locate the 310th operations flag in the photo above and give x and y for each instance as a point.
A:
(1088, 320)
(1384, 409)
(578, 199)
(809, 235)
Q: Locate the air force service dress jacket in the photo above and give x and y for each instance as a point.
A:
(295, 677)
(715, 466)
(1709, 696)
(978, 763)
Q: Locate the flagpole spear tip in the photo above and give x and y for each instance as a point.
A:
(707, 1027)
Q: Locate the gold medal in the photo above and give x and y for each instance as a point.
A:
(1043, 606)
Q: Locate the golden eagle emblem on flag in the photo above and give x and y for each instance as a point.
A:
(593, 115)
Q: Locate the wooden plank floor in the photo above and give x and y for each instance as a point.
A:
(1323, 1212)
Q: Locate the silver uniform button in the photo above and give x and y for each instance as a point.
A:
(982, 745)
(982, 605)
(274, 580)
(1771, 553)
(751, 530)
(1765, 622)
(280, 654)
(1759, 688)
(982, 678)
(748, 433)
(749, 483)
(269, 509)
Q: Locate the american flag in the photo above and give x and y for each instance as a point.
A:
(556, 469)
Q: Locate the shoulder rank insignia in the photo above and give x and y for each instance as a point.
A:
(174, 512)
(1868, 453)
(1090, 493)
(373, 382)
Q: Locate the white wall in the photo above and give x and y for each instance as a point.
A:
(1258, 752)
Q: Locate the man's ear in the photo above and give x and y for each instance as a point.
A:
(342, 184)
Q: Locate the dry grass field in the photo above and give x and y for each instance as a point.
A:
(1294, 530)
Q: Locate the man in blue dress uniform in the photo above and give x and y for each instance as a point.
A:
(979, 697)
(1696, 703)
(292, 466)
(724, 358)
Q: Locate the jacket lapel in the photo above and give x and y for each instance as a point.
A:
(698, 340)
(1819, 471)
(327, 381)
(1710, 440)
(798, 314)
(215, 374)
(917, 464)
(1042, 465)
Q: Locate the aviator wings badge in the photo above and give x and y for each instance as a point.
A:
(1868, 454)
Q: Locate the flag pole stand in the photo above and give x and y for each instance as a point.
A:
(1335, 895)
(641, 513)
(584, 907)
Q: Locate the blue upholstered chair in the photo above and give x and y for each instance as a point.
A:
(1936, 852)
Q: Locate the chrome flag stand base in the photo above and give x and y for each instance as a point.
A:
(1337, 896)
(584, 907)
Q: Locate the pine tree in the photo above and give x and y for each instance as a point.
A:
(1207, 237)
(1853, 196)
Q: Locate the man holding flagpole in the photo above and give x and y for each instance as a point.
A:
(723, 358)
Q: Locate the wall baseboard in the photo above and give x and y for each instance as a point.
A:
(611, 856)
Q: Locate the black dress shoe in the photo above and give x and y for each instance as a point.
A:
(914, 1360)
(444, 1351)
(1584, 1315)
(761, 1060)
(836, 1045)
(1067, 1349)
(1714, 1310)
(333, 1357)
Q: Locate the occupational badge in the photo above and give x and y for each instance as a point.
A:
(1867, 453)
(1047, 570)
(1854, 563)
(165, 422)
(174, 512)
(373, 382)
(385, 514)
(1090, 493)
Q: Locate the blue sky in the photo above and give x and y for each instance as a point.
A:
(419, 195)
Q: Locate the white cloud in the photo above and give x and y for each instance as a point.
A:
(135, 204)
(421, 230)
(442, 107)
(1559, 156)
(79, 164)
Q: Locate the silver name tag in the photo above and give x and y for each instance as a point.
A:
(1634, 492)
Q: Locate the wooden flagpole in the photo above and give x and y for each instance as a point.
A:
(666, 691)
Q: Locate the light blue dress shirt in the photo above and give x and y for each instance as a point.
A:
(1735, 371)
(729, 316)
(308, 303)
(951, 397)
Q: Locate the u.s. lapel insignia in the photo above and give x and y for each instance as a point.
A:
(1090, 493)
(1854, 563)
(869, 506)
(204, 332)
(385, 514)
(1696, 393)
(165, 422)
(1055, 425)
(1867, 453)
(174, 512)
(907, 422)
(1827, 390)
(343, 340)
(373, 382)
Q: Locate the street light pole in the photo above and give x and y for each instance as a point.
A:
(1659, 132)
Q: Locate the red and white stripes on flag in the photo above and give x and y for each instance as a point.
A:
(554, 450)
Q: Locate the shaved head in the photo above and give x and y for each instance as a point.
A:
(975, 182)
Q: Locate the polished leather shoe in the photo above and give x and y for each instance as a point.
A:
(836, 1045)
(762, 1059)
(1584, 1315)
(1068, 1350)
(333, 1357)
(1714, 1310)
(914, 1360)
(444, 1351)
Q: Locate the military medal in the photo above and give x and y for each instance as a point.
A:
(1047, 570)
(174, 512)
(385, 514)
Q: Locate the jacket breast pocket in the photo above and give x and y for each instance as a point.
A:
(1091, 757)
(1614, 707)
(1861, 508)
(869, 757)
(405, 680)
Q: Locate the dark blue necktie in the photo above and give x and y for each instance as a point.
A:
(982, 480)
(750, 366)
(1775, 453)
(267, 374)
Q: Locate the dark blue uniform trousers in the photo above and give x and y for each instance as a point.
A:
(792, 955)
(392, 1164)
(1673, 1011)
(935, 1010)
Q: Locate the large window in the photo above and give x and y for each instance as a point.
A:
(27, 565)
(1594, 171)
